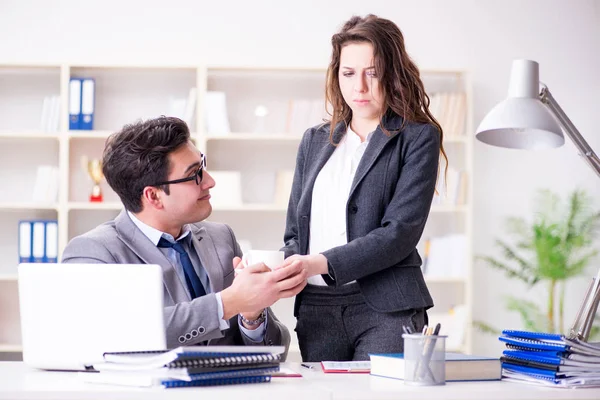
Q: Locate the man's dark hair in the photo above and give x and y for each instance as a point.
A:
(138, 156)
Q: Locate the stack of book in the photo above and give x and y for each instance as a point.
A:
(188, 366)
(550, 359)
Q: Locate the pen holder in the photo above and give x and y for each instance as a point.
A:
(424, 359)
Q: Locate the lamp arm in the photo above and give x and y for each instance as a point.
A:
(583, 146)
(585, 316)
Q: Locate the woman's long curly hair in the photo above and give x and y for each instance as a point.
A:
(402, 90)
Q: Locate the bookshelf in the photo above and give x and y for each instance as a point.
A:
(259, 149)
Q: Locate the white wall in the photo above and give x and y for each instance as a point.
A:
(482, 36)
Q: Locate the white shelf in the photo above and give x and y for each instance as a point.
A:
(28, 206)
(11, 348)
(29, 135)
(251, 207)
(254, 136)
(8, 277)
(95, 206)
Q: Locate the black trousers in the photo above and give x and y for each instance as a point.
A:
(336, 324)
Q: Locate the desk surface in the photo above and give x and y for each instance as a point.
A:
(18, 381)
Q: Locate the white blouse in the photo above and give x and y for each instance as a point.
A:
(330, 197)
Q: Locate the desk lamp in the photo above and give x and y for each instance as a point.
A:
(527, 119)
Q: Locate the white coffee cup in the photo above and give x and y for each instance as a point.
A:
(270, 258)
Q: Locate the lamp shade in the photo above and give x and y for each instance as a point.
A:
(521, 121)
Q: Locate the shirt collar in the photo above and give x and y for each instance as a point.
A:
(354, 138)
(154, 234)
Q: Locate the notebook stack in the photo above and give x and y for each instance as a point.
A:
(188, 366)
(550, 359)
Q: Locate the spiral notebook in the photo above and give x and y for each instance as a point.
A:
(219, 382)
(197, 356)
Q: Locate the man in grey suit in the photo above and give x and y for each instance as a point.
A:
(162, 181)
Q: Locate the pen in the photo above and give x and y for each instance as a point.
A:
(307, 366)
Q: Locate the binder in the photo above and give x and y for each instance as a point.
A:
(51, 248)
(88, 90)
(74, 103)
(39, 241)
(25, 242)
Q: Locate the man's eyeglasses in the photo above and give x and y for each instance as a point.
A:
(197, 175)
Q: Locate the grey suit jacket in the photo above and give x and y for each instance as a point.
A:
(387, 208)
(188, 322)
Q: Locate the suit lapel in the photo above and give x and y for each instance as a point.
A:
(138, 243)
(376, 145)
(207, 252)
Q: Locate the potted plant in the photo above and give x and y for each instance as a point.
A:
(553, 248)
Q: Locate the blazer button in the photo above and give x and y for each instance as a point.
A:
(201, 330)
(181, 339)
(353, 208)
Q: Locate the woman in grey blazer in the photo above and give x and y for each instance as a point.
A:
(362, 191)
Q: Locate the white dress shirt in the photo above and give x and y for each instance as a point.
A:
(330, 197)
(155, 235)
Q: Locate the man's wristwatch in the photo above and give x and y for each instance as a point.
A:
(253, 322)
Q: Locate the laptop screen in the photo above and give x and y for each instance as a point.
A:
(72, 313)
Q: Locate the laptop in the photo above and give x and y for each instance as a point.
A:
(72, 313)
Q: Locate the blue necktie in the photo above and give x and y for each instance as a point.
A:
(191, 277)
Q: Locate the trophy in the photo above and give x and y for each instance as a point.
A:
(94, 170)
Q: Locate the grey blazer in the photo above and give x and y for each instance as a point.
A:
(387, 208)
(188, 322)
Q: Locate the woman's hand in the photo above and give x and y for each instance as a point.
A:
(315, 264)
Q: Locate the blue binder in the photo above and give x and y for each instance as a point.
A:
(75, 104)
(88, 98)
(51, 242)
(25, 242)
